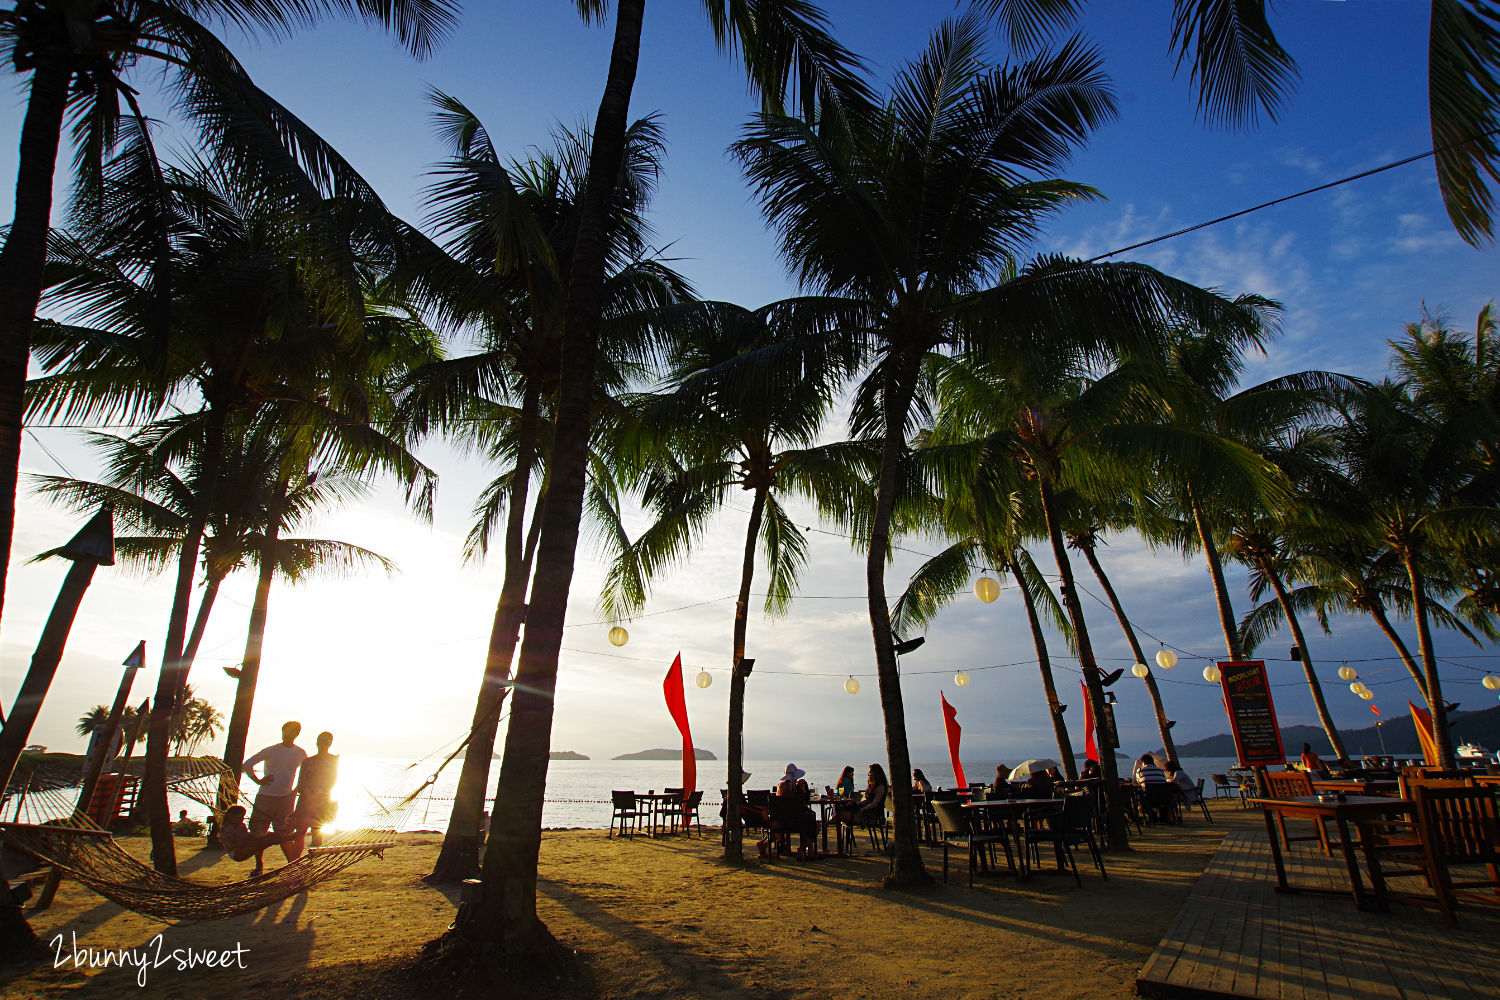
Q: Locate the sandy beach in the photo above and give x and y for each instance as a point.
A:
(665, 918)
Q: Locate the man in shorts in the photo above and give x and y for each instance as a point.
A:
(276, 800)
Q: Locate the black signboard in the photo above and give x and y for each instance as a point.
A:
(1252, 716)
(1112, 733)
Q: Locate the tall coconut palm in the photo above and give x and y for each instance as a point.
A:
(272, 314)
(83, 60)
(1241, 72)
(746, 393)
(782, 44)
(508, 229)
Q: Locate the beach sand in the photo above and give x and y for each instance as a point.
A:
(667, 918)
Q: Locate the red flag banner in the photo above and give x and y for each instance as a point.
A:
(677, 705)
(1090, 744)
(1423, 721)
(1374, 709)
(950, 723)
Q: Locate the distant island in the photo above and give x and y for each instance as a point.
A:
(698, 754)
(566, 755)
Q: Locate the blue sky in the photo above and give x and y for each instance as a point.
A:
(391, 664)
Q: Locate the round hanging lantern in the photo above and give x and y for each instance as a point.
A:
(704, 678)
(1166, 659)
(1211, 673)
(1357, 687)
(1367, 694)
(987, 589)
(618, 636)
(961, 678)
(1140, 670)
(1491, 681)
(1347, 673)
(852, 686)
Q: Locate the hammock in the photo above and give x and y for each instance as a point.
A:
(91, 856)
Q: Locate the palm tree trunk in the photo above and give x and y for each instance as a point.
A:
(906, 861)
(506, 914)
(1440, 740)
(1334, 739)
(1044, 663)
(173, 670)
(1118, 836)
(255, 635)
(21, 263)
(1216, 571)
(733, 830)
(459, 857)
(200, 622)
(1163, 725)
(1377, 612)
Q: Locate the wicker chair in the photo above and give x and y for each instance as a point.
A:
(958, 831)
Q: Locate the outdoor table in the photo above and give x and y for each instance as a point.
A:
(1361, 810)
(1358, 786)
(828, 813)
(1011, 812)
(657, 804)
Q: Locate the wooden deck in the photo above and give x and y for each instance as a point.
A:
(1237, 937)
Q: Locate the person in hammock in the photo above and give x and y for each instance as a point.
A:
(275, 802)
(241, 844)
(315, 781)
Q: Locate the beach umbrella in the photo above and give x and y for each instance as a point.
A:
(1027, 768)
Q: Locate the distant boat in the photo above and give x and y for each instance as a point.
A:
(1471, 751)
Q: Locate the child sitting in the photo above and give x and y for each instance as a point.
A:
(235, 838)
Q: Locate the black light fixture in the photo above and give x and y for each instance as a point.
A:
(1110, 699)
(747, 664)
(1171, 723)
(1061, 709)
(1105, 680)
(1296, 654)
(904, 646)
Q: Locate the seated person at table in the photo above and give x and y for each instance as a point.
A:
(788, 783)
(870, 810)
(1179, 777)
(805, 825)
(1147, 772)
(241, 844)
(1311, 762)
(845, 787)
(1001, 785)
(1091, 770)
(1038, 786)
(919, 782)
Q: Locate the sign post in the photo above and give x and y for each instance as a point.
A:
(1252, 716)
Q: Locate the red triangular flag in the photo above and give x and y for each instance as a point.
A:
(1090, 745)
(950, 723)
(677, 706)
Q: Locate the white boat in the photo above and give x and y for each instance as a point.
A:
(1471, 751)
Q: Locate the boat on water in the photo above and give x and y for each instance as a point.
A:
(1472, 752)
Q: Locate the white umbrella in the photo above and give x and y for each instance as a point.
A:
(1027, 768)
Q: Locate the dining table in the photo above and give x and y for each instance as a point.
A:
(1362, 811)
(1358, 786)
(1011, 813)
(828, 815)
(658, 806)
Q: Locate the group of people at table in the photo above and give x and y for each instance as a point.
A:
(868, 808)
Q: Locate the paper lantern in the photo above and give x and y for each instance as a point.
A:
(1211, 673)
(704, 678)
(1140, 670)
(1358, 687)
(852, 686)
(987, 589)
(1166, 659)
(1367, 694)
(1491, 681)
(618, 636)
(1347, 673)
(961, 678)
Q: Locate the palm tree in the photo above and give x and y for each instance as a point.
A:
(746, 394)
(779, 42)
(82, 59)
(193, 722)
(509, 230)
(272, 314)
(1242, 72)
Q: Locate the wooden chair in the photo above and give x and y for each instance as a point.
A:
(957, 830)
(626, 811)
(1455, 826)
(1222, 788)
(1291, 785)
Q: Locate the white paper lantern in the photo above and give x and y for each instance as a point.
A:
(1358, 687)
(961, 678)
(987, 589)
(1140, 670)
(1347, 673)
(1166, 659)
(1211, 673)
(1367, 694)
(618, 636)
(852, 686)
(704, 678)
(1491, 681)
